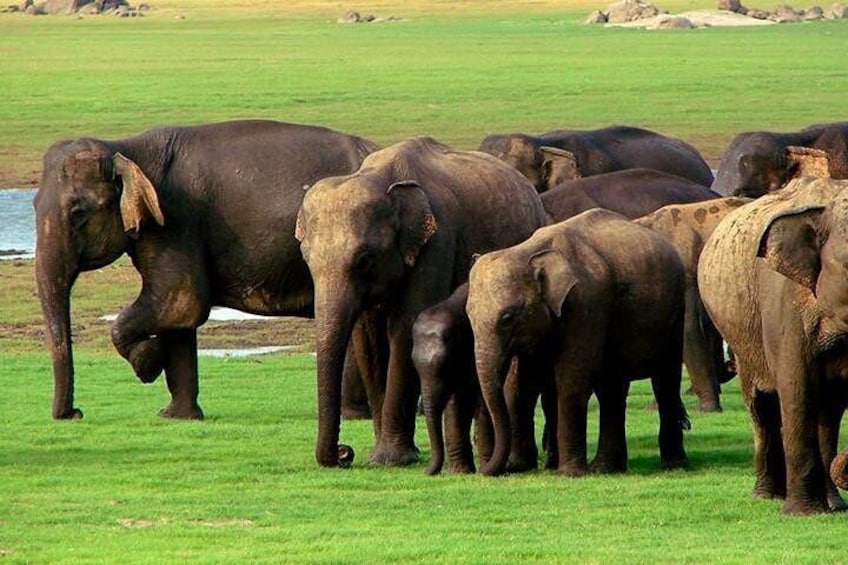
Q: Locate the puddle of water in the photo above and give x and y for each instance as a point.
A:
(218, 314)
(244, 352)
(17, 227)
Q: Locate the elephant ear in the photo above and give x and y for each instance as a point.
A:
(417, 222)
(138, 198)
(558, 165)
(808, 162)
(790, 244)
(554, 277)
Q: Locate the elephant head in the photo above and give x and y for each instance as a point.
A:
(360, 236)
(521, 152)
(90, 201)
(514, 299)
(558, 165)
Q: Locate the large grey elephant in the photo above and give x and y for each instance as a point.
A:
(206, 213)
(773, 279)
(758, 162)
(631, 193)
(603, 299)
(553, 157)
(687, 227)
(399, 234)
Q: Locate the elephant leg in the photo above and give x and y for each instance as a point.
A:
(369, 343)
(354, 396)
(460, 454)
(769, 458)
(135, 341)
(549, 439)
(521, 394)
(702, 353)
(181, 375)
(612, 443)
(484, 433)
(572, 413)
(806, 491)
(672, 413)
(830, 416)
(395, 445)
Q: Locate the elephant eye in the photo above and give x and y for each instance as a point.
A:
(79, 216)
(508, 317)
(365, 260)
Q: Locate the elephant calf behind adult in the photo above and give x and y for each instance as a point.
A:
(553, 157)
(773, 279)
(632, 193)
(207, 215)
(400, 234)
(687, 227)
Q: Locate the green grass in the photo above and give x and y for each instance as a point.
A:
(124, 486)
(454, 76)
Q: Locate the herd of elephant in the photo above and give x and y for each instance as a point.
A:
(548, 267)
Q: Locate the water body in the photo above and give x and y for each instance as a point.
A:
(17, 224)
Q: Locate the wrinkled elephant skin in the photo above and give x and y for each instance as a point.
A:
(399, 234)
(603, 298)
(773, 278)
(550, 158)
(207, 215)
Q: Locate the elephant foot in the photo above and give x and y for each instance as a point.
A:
(356, 412)
(461, 468)
(608, 465)
(180, 412)
(394, 456)
(522, 464)
(573, 469)
(766, 488)
(679, 461)
(148, 360)
(72, 414)
(803, 507)
(709, 405)
(835, 503)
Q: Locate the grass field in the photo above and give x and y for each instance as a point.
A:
(124, 486)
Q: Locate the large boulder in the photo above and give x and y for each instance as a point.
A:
(732, 6)
(672, 22)
(631, 10)
(839, 11)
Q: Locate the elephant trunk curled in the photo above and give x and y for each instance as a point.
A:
(336, 312)
(839, 470)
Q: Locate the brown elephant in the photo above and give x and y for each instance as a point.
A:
(687, 227)
(758, 162)
(553, 157)
(773, 279)
(399, 235)
(603, 299)
(631, 193)
(207, 215)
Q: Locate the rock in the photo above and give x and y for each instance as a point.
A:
(784, 14)
(812, 13)
(631, 10)
(731, 6)
(596, 17)
(354, 17)
(758, 14)
(672, 22)
(839, 11)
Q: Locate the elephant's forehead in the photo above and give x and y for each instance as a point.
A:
(345, 199)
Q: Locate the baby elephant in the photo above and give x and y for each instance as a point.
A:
(443, 355)
(603, 299)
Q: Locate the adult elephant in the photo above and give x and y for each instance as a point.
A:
(758, 162)
(399, 235)
(553, 157)
(632, 193)
(687, 227)
(602, 298)
(773, 279)
(207, 215)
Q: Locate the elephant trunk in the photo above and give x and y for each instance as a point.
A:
(56, 270)
(336, 311)
(433, 412)
(492, 375)
(839, 470)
